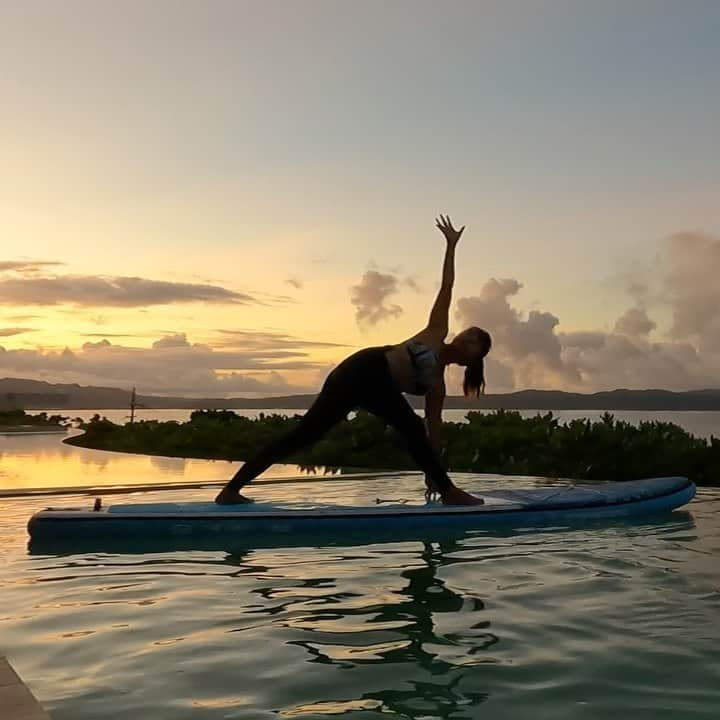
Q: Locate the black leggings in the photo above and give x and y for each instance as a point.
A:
(362, 380)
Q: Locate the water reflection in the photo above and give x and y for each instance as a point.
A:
(237, 547)
(397, 630)
(412, 612)
(44, 461)
(408, 628)
(433, 644)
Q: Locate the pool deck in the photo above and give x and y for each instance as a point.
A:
(16, 701)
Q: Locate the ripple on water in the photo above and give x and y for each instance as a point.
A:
(596, 622)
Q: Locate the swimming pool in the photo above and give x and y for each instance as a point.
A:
(620, 619)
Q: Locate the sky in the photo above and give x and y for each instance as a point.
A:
(227, 198)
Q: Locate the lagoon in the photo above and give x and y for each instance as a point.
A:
(596, 622)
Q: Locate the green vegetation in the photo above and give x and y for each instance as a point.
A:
(19, 421)
(501, 442)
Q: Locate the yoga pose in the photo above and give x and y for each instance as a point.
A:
(375, 379)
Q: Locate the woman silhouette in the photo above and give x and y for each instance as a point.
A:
(375, 379)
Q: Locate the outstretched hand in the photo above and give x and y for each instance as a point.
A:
(445, 226)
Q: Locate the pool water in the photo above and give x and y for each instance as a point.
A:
(605, 621)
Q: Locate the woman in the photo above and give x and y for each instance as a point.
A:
(375, 378)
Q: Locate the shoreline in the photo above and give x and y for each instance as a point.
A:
(414, 404)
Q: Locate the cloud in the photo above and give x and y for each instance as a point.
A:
(89, 346)
(91, 290)
(369, 297)
(112, 335)
(638, 363)
(296, 282)
(26, 266)
(7, 332)
(529, 346)
(172, 365)
(412, 282)
(258, 340)
(22, 318)
(692, 284)
(668, 337)
(264, 298)
(239, 383)
(530, 352)
(634, 322)
(172, 341)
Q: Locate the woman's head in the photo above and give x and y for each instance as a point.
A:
(470, 348)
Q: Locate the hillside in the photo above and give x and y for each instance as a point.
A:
(36, 395)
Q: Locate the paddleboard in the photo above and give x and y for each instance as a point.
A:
(511, 507)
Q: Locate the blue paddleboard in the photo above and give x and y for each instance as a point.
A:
(516, 508)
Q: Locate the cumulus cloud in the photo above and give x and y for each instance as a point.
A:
(692, 282)
(638, 363)
(529, 345)
(530, 352)
(370, 297)
(172, 341)
(105, 343)
(91, 290)
(635, 322)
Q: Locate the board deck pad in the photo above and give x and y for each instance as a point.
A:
(572, 496)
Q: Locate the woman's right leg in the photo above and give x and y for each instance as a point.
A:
(387, 402)
(395, 409)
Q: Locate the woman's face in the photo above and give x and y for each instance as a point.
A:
(470, 345)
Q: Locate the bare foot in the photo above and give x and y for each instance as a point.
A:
(456, 496)
(232, 498)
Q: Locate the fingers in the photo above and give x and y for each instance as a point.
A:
(444, 221)
(444, 224)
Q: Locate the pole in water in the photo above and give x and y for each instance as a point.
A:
(133, 405)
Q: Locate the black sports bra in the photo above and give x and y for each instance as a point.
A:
(423, 361)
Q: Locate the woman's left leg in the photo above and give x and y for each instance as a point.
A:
(328, 409)
(336, 399)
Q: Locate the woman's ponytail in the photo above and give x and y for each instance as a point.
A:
(474, 380)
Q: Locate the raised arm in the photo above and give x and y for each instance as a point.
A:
(439, 315)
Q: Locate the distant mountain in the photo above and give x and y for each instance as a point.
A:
(35, 395)
(621, 399)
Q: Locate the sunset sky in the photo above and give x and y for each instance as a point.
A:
(226, 198)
